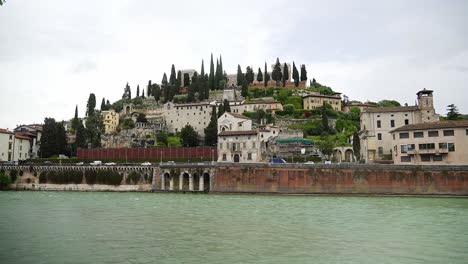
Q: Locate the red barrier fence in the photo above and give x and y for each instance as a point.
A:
(142, 153)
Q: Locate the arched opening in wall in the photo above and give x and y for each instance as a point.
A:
(196, 181)
(206, 182)
(236, 158)
(127, 110)
(349, 155)
(337, 155)
(167, 181)
(185, 181)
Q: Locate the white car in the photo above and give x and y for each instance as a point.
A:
(170, 162)
(96, 163)
(146, 164)
(310, 162)
(79, 163)
(110, 163)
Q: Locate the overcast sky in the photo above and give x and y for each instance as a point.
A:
(54, 53)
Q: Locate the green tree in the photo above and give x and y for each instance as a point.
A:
(240, 75)
(211, 78)
(75, 120)
(220, 110)
(103, 104)
(5, 181)
(295, 75)
(285, 74)
(303, 73)
(53, 139)
(193, 88)
(165, 88)
(156, 91)
(178, 81)
(326, 145)
(128, 124)
(249, 75)
(217, 75)
(227, 107)
(388, 103)
(143, 94)
(80, 141)
(245, 88)
(356, 145)
(161, 139)
(276, 74)
(189, 136)
(172, 77)
(186, 79)
(127, 92)
(91, 105)
(148, 89)
(211, 131)
(259, 75)
(138, 91)
(452, 112)
(267, 76)
(325, 126)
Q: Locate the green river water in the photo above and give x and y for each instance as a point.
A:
(74, 227)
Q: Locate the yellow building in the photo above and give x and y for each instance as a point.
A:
(111, 120)
(315, 101)
(442, 142)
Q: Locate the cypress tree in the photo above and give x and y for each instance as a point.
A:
(164, 88)
(227, 107)
(259, 75)
(285, 74)
(172, 77)
(202, 71)
(75, 120)
(245, 89)
(138, 91)
(221, 71)
(249, 75)
(276, 75)
(211, 131)
(80, 136)
(206, 87)
(127, 92)
(186, 79)
(217, 75)
(240, 75)
(103, 104)
(325, 126)
(76, 111)
(148, 89)
(156, 91)
(91, 105)
(107, 103)
(211, 80)
(220, 110)
(179, 80)
(143, 94)
(267, 76)
(295, 75)
(303, 73)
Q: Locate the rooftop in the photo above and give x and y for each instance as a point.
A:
(236, 115)
(390, 109)
(434, 125)
(5, 131)
(238, 133)
(334, 96)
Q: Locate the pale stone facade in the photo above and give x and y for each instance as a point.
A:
(34, 132)
(443, 142)
(377, 122)
(254, 105)
(362, 106)
(14, 147)
(190, 73)
(195, 114)
(314, 101)
(111, 121)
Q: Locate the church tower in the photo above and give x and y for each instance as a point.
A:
(426, 106)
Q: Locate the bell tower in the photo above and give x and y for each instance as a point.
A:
(426, 106)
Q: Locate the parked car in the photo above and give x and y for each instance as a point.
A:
(278, 160)
(79, 163)
(328, 162)
(96, 163)
(47, 163)
(146, 164)
(110, 163)
(171, 162)
(309, 162)
(11, 163)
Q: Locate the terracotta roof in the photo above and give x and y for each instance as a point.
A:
(238, 133)
(192, 104)
(236, 115)
(434, 125)
(22, 137)
(262, 102)
(5, 131)
(323, 95)
(390, 109)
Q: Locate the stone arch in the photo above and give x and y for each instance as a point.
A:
(349, 155)
(184, 180)
(337, 155)
(167, 181)
(236, 158)
(205, 181)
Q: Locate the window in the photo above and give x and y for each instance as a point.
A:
(418, 134)
(393, 136)
(380, 150)
(404, 148)
(427, 146)
(405, 158)
(411, 146)
(448, 133)
(379, 125)
(244, 145)
(379, 136)
(406, 122)
(442, 145)
(249, 156)
(224, 156)
(404, 135)
(433, 133)
(437, 158)
(220, 145)
(451, 147)
(392, 123)
(9, 145)
(426, 158)
(11, 137)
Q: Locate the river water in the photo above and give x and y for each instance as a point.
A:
(74, 227)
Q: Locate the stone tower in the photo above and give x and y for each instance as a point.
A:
(426, 106)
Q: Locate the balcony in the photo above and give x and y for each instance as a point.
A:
(442, 150)
(427, 151)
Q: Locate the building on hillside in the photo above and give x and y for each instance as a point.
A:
(34, 132)
(377, 122)
(294, 147)
(441, 142)
(190, 73)
(362, 106)
(315, 100)
(14, 147)
(197, 115)
(111, 121)
(269, 105)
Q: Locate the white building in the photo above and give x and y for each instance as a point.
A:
(195, 114)
(34, 132)
(14, 147)
(377, 122)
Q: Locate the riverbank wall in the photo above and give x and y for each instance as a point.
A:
(342, 179)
